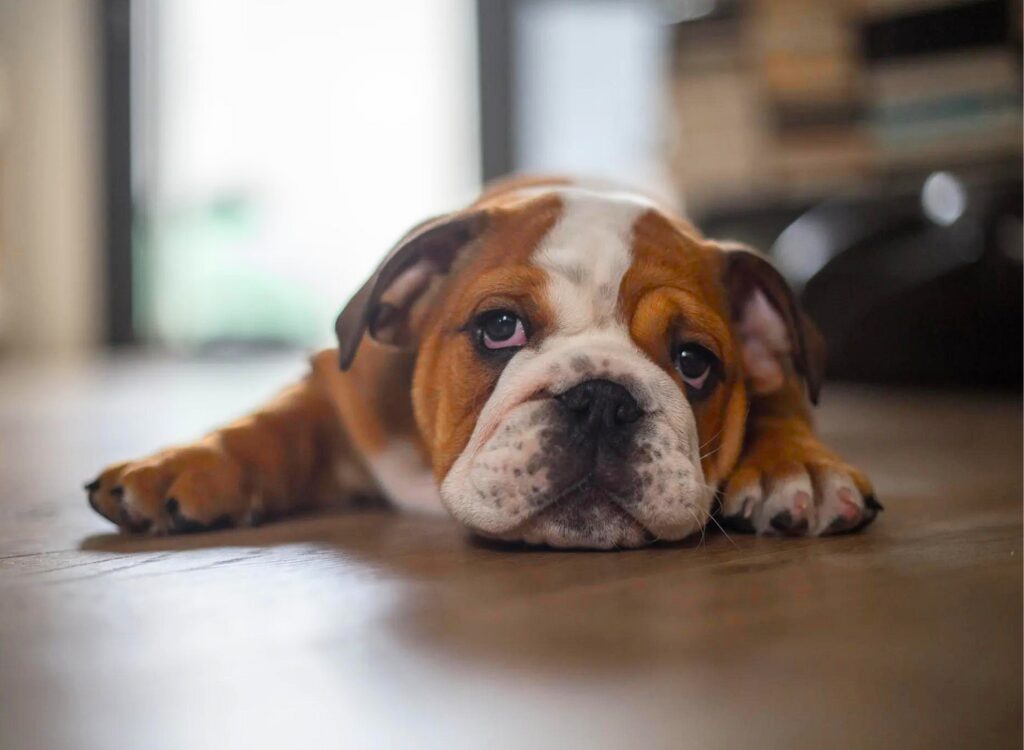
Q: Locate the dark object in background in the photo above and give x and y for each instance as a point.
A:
(943, 28)
(919, 286)
(929, 297)
(879, 164)
(116, 60)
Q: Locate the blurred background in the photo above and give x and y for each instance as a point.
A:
(202, 177)
(190, 190)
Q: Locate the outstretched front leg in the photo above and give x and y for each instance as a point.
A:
(787, 481)
(288, 456)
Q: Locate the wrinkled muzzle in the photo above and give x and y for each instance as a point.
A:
(586, 443)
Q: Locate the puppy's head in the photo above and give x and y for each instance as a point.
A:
(583, 361)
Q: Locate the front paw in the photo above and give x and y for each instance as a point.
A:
(194, 488)
(811, 494)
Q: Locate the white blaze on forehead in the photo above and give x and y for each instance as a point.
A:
(586, 254)
(503, 479)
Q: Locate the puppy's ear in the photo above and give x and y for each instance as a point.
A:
(384, 304)
(774, 334)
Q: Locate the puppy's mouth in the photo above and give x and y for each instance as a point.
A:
(584, 515)
(580, 473)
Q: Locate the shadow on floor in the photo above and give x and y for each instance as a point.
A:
(518, 607)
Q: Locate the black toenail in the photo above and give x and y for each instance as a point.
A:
(184, 525)
(872, 502)
(92, 486)
(117, 491)
(838, 525)
(783, 522)
(869, 515)
(222, 522)
(179, 523)
(740, 523)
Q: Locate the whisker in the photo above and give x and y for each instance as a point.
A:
(721, 528)
(710, 440)
(710, 453)
(746, 415)
(703, 526)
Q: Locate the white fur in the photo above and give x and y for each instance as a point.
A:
(405, 479)
(585, 255)
(132, 505)
(821, 499)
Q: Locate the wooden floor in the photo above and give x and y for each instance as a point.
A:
(375, 630)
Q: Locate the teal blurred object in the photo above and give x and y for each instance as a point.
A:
(209, 255)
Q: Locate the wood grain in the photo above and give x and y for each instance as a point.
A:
(371, 629)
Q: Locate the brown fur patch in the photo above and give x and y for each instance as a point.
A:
(673, 294)
(495, 275)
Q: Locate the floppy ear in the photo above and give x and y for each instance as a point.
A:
(774, 334)
(384, 304)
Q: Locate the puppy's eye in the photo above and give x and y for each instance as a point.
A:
(697, 365)
(501, 329)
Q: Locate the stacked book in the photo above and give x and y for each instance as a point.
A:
(716, 134)
(798, 98)
(943, 82)
(809, 70)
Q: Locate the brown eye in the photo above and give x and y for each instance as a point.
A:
(501, 329)
(698, 367)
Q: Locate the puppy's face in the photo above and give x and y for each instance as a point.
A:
(579, 381)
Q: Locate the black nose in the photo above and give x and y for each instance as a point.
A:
(601, 405)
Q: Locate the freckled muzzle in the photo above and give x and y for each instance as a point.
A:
(601, 453)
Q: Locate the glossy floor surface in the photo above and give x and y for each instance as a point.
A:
(375, 630)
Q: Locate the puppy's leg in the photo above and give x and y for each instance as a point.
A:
(787, 482)
(288, 456)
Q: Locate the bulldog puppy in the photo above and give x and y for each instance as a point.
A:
(559, 363)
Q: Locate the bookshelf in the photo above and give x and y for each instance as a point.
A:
(786, 102)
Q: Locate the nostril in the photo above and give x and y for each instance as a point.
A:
(576, 401)
(601, 404)
(627, 413)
